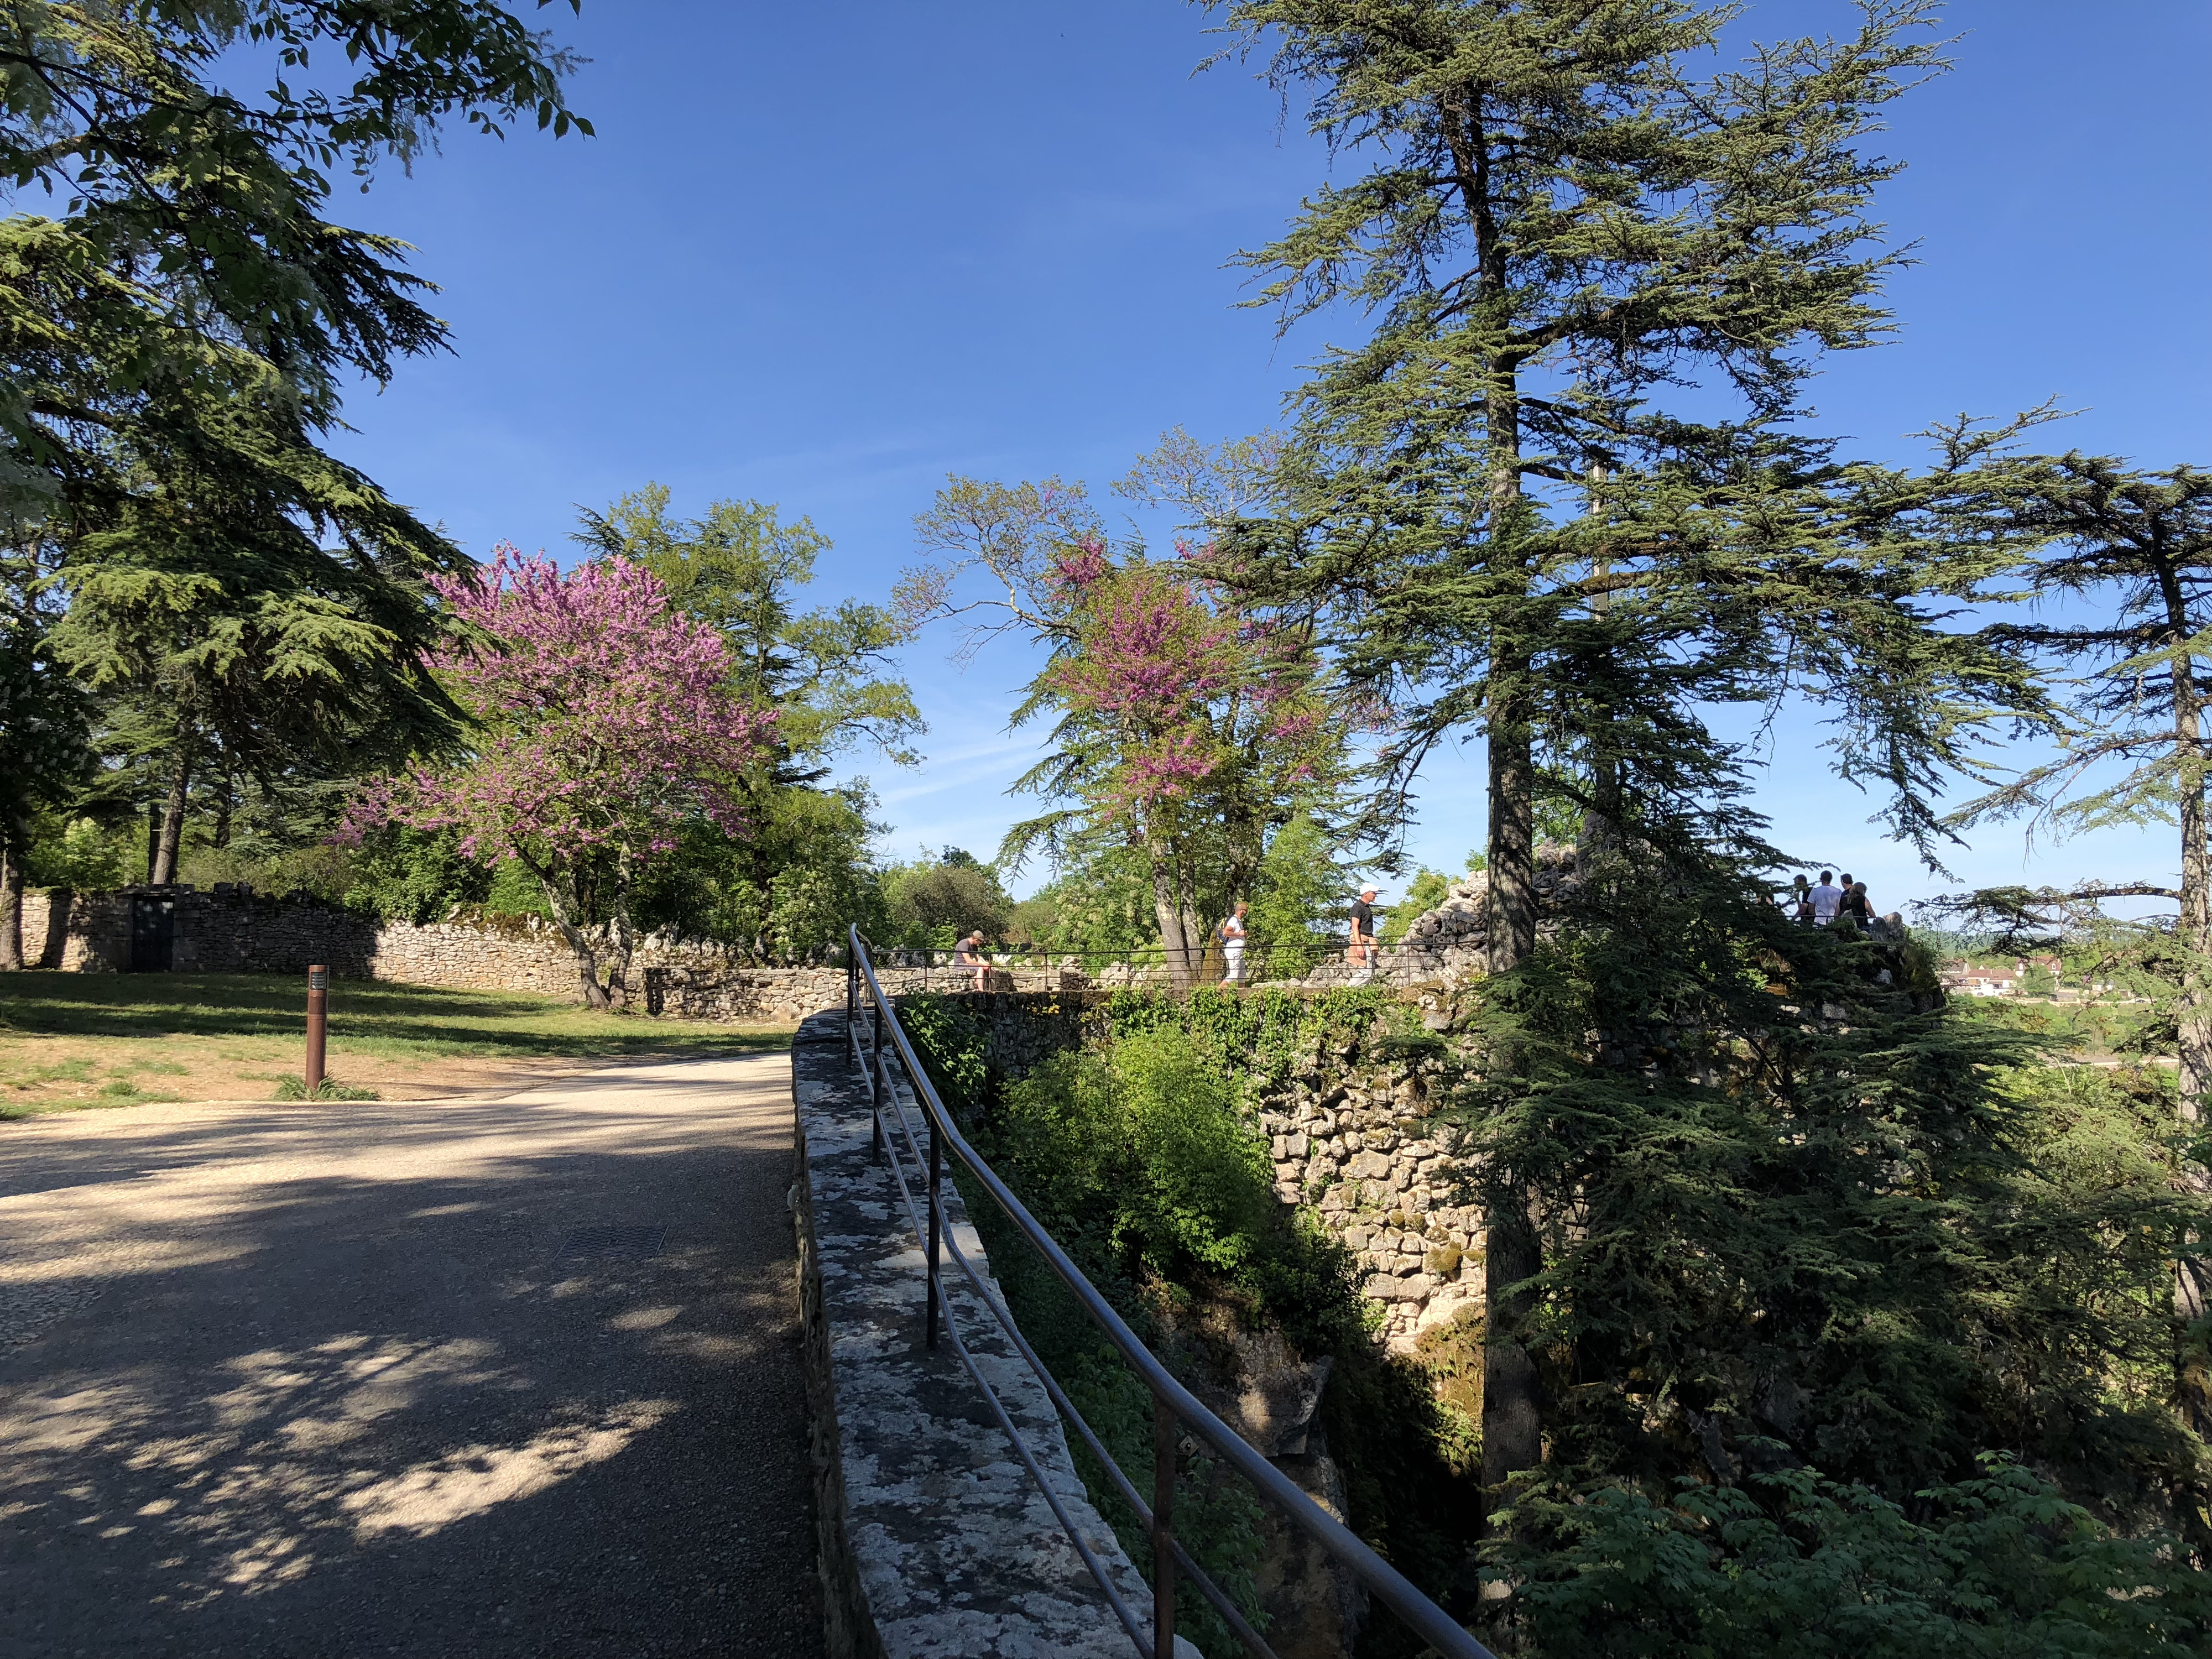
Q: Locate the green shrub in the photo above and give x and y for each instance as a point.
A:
(1793, 1565)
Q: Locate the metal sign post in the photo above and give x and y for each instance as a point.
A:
(318, 1010)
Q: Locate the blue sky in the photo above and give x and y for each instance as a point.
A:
(824, 256)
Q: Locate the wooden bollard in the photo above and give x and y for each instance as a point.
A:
(319, 1014)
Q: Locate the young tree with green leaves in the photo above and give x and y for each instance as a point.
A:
(788, 888)
(1565, 219)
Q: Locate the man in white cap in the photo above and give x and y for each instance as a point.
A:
(1360, 952)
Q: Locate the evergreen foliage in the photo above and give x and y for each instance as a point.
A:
(176, 330)
(2136, 549)
(1509, 520)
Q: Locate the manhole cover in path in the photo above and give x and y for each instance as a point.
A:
(614, 1240)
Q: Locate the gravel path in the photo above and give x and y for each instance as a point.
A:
(338, 1380)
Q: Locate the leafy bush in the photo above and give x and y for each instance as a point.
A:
(933, 903)
(1793, 1565)
(85, 855)
(1298, 892)
(1145, 1149)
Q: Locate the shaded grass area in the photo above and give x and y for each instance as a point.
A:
(69, 1040)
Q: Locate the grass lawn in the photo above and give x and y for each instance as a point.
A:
(73, 1040)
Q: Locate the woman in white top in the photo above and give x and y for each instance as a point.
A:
(1233, 934)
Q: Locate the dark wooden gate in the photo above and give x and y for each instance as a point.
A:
(153, 933)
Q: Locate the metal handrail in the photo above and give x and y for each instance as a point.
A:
(1172, 1403)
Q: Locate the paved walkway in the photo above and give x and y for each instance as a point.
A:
(338, 1380)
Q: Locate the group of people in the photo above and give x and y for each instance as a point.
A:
(1820, 905)
(1235, 931)
(1823, 905)
(1232, 933)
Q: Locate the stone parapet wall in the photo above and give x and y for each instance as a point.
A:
(1359, 1145)
(932, 1539)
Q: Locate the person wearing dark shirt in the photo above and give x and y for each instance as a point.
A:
(1857, 906)
(1361, 953)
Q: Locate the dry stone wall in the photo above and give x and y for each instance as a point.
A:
(234, 931)
(1358, 1139)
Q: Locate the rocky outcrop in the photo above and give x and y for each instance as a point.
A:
(1451, 941)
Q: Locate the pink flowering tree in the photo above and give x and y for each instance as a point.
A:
(1184, 724)
(602, 724)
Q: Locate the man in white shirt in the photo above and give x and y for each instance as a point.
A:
(1826, 899)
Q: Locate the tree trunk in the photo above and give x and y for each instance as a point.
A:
(1512, 1412)
(621, 939)
(1512, 1418)
(1512, 848)
(587, 960)
(1600, 826)
(2193, 1288)
(1174, 919)
(1512, 1421)
(172, 819)
(225, 801)
(11, 899)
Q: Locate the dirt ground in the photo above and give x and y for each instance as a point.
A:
(45, 1072)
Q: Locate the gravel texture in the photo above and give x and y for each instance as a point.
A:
(318, 1380)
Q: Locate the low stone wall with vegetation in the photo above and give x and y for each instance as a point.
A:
(1346, 1098)
(932, 1539)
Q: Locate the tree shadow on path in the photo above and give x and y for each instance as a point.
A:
(343, 1392)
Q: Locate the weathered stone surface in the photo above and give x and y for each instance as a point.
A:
(935, 1542)
(1369, 1166)
(1389, 1287)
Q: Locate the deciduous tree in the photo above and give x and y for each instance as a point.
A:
(1184, 722)
(604, 723)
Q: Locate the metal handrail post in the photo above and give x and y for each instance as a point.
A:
(876, 1073)
(1163, 1561)
(936, 1231)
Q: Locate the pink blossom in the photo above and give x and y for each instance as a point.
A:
(1078, 569)
(604, 719)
